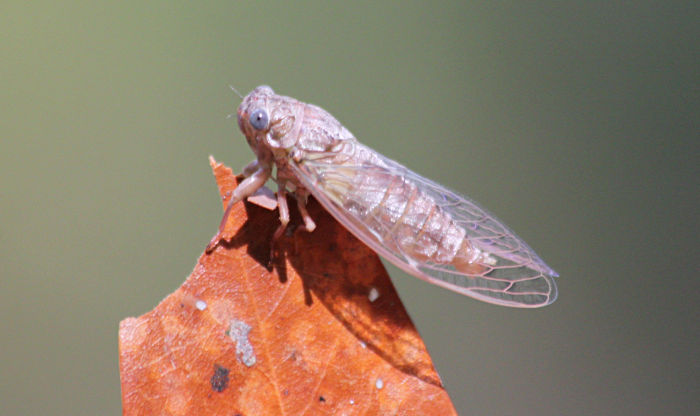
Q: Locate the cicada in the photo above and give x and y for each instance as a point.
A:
(420, 226)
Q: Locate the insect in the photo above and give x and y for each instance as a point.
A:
(425, 229)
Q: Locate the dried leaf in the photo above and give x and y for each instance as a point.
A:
(321, 332)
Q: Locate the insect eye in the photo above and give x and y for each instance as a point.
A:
(258, 119)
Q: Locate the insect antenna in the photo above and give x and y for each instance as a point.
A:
(237, 93)
(235, 90)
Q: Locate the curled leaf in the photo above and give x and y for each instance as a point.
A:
(322, 331)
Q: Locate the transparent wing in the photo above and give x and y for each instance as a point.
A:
(512, 274)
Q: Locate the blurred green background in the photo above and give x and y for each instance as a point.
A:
(575, 123)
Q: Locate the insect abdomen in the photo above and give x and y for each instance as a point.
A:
(402, 216)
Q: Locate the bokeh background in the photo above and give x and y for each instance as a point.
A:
(576, 123)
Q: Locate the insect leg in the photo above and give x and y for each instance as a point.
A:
(302, 199)
(244, 190)
(284, 209)
(284, 216)
(251, 168)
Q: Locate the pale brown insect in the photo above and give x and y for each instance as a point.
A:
(420, 226)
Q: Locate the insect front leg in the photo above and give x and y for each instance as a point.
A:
(246, 188)
(250, 168)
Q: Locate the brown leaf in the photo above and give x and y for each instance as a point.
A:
(323, 332)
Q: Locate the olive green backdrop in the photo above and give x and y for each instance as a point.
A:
(576, 123)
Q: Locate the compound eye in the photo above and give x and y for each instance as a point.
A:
(259, 119)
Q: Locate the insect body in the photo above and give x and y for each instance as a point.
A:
(420, 226)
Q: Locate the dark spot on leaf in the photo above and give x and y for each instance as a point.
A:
(321, 399)
(219, 381)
